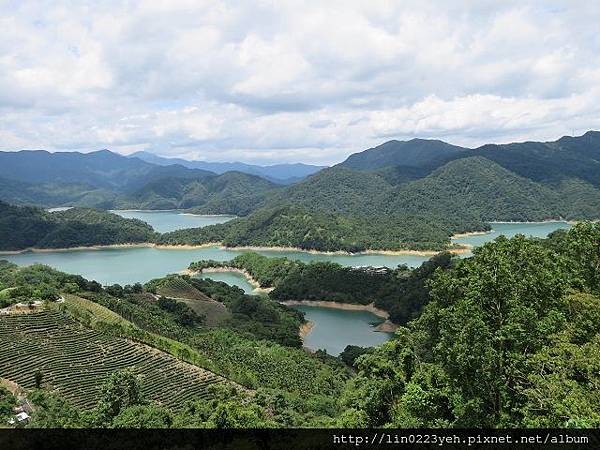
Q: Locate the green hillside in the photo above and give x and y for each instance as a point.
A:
(75, 361)
(478, 187)
(24, 227)
(414, 153)
(288, 226)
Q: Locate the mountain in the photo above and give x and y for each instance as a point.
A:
(230, 193)
(420, 206)
(550, 162)
(336, 189)
(101, 169)
(413, 153)
(106, 180)
(481, 188)
(24, 227)
(278, 173)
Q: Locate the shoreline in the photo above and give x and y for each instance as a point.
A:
(109, 246)
(338, 305)
(305, 329)
(386, 326)
(456, 250)
(470, 233)
(179, 211)
(254, 283)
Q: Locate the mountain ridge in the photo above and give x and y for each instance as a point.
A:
(286, 173)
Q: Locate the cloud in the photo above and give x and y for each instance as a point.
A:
(281, 81)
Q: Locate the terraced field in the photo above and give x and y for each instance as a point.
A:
(76, 360)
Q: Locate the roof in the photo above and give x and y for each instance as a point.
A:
(22, 416)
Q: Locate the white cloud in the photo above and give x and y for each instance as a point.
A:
(306, 81)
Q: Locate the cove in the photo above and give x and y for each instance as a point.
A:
(334, 329)
(510, 229)
(231, 278)
(171, 220)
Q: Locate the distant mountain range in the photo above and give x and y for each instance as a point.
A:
(401, 194)
(278, 173)
(107, 180)
(416, 194)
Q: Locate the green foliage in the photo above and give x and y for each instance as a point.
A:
(143, 416)
(401, 292)
(7, 402)
(502, 343)
(25, 227)
(121, 390)
(228, 409)
(53, 411)
(351, 354)
(184, 315)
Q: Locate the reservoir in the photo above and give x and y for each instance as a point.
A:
(171, 220)
(510, 229)
(141, 264)
(333, 329)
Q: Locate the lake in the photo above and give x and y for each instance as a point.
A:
(510, 229)
(231, 278)
(334, 329)
(171, 220)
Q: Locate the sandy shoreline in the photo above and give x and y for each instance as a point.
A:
(305, 329)
(470, 233)
(240, 249)
(387, 327)
(457, 250)
(255, 284)
(110, 246)
(338, 305)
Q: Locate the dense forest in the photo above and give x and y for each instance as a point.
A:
(505, 338)
(27, 227)
(509, 339)
(401, 292)
(410, 195)
(292, 226)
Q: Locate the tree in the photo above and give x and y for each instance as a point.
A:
(143, 416)
(7, 402)
(121, 390)
(38, 377)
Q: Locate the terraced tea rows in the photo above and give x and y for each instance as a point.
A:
(76, 360)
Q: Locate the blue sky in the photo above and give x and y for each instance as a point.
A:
(285, 81)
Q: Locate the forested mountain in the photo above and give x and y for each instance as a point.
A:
(230, 193)
(479, 187)
(278, 173)
(25, 227)
(400, 195)
(414, 153)
(105, 180)
(102, 169)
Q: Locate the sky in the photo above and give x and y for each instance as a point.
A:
(293, 81)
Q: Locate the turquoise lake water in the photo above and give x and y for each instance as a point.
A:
(334, 329)
(165, 221)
